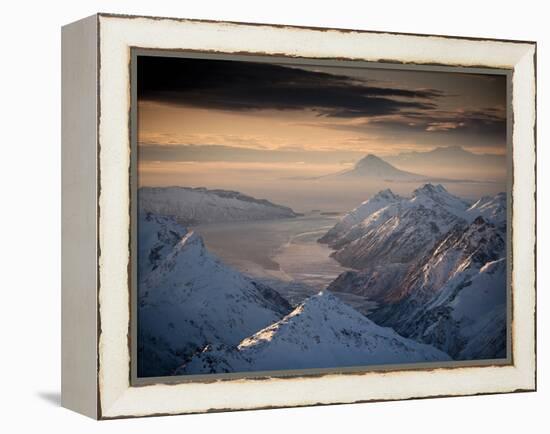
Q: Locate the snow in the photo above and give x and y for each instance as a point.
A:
(400, 231)
(397, 233)
(491, 208)
(190, 298)
(429, 194)
(461, 250)
(379, 201)
(436, 266)
(322, 332)
(476, 306)
(433, 262)
(192, 206)
(157, 236)
(455, 297)
(486, 292)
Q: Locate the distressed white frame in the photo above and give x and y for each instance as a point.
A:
(116, 397)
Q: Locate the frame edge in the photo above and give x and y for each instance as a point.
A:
(527, 382)
(79, 323)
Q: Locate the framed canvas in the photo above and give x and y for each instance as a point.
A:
(260, 216)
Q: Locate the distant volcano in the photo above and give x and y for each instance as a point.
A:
(373, 167)
(448, 156)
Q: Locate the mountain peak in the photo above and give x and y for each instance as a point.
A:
(430, 193)
(372, 157)
(429, 189)
(322, 297)
(317, 303)
(385, 194)
(189, 298)
(372, 166)
(370, 160)
(321, 332)
(380, 200)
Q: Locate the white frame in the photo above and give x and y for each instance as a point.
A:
(107, 393)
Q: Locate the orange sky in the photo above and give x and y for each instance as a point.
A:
(308, 118)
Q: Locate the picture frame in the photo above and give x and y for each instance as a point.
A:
(99, 158)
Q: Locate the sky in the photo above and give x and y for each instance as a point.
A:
(201, 121)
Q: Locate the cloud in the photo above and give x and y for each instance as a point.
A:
(248, 86)
(211, 153)
(397, 112)
(490, 121)
(444, 126)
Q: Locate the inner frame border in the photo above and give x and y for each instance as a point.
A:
(135, 52)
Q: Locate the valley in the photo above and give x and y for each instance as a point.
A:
(420, 278)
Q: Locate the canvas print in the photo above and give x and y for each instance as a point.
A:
(301, 216)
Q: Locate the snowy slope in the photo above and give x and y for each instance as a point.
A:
(402, 230)
(322, 332)
(389, 241)
(157, 236)
(192, 206)
(467, 318)
(491, 208)
(380, 200)
(462, 249)
(455, 297)
(436, 266)
(430, 193)
(190, 299)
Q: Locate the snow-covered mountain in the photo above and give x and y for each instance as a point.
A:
(438, 194)
(375, 168)
(464, 249)
(190, 206)
(357, 215)
(322, 332)
(392, 230)
(434, 263)
(189, 298)
(449, 262)
(465, 317)
(398, 232)
(386, 243)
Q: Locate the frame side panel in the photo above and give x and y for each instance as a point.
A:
(79, 217)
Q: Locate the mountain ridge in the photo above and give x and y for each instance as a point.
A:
(374, 167)
(423, 296)
(322, 332)
(190, 298)
(457, 159)
(409, 225)
(192, 206)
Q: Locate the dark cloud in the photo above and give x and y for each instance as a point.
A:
(483, 128)
(490, 121)
(243, 86)
(378, 107)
